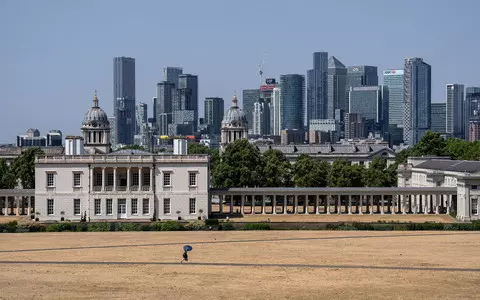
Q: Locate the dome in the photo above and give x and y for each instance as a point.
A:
(235, 116)
(95, 116)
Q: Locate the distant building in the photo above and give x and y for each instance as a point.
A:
(417, 99)
(32, 138)
(166, 93)
(96, 130)
(292, 136)
(141, 116)
(276, 111)
(172, 75)
(474, 130)
(371, 103)
(234, 125)
(439, 118)
(185, 106)
(124, 99)
(393, 79)
(472, 105)
(455, 95)
(249, 97)
(292, 99)
(354, 126)
(318, 127)
(214, 111)
(337, 81)
(358, 76)
(317, 93)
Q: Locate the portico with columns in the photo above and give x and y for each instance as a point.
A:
(17, 202)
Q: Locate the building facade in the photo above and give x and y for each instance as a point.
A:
(234, 125)
(292, 98)
(141, 117)
(474, 130)
(96, 130)
(124, 99)
(249, 97)
(371, 103)
(417, 95)
(214, 111)
(393, 79)
(455, 95)
(276, 110)
(358, 76)
(172, 75)
(185, 105)
(472, 105)
(336, 83)
(166, 92)
(317, 90)
(439, 118)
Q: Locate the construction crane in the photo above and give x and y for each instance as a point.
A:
(260, 68)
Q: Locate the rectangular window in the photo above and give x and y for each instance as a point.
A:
(98, 179)
(77, 179)
(474, 206)
(98, 206)
(134, 206)
(192, 205)
(146, 206)
(474, 187)
(110, 179)
(192, 178)
(166, 179)
(50, 207)
(109, 207)
(50, 180)
(76, 207)
(135, 179)
(166, 206)
(146, 179)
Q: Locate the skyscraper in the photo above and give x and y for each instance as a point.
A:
(417, 99)
(455, 110)
(472, 105)
(292, 98)
(249, 97)
(276, 109)
(393, 79)
(141, 117)
(124, 99)
(337, 81)
(439, 118)
(164, 106)
(172, 74)
(371, 104)
(317, 90)
(214, 110)
(360, 76)
(185, 106)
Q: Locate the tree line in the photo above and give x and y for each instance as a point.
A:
(21, 170)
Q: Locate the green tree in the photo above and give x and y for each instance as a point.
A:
(402, 156)
(197, 148)
(7, 176)
(432, 143)
(24, 167)
(337, 177)
(277, 170)
(309, 172)
(378, 174)
(241, 165)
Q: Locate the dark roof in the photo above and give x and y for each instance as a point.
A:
(333, 190)
(466, 166)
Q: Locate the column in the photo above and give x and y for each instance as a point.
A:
(328, 203)
(128, 178)
(371, 204)
(317, 200)
(17, 204)
(263, 204)
(91, 178)
(349, 204)
(220, 204)
(295, 205)
(29, 199)
(274, 209)
(114, 180)
(103, 179)
(360, 206)
(382, 203)
(242, 205)
(151, 179)
(306, 205)
(231, 204)
(393, 205)
(426, 207)
(253, 205)
(339, 204)
(449, 199)
(437, 207)
(285, 200)
(140, 179)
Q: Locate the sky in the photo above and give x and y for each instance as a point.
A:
(54, 54)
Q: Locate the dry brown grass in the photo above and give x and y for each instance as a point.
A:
(389, 249)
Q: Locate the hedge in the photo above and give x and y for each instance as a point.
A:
(257, 226)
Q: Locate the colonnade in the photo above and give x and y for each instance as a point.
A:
(16, 205)
(104, 187)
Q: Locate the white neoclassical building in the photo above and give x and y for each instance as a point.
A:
(234, 125)
(443, 172)
(127, 184)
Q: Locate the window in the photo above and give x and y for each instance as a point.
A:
(134, 206)
(135, 179)
(192, 178)
(474, 187)
(76, 207)
(76, 179)
(474, 206)
(50, 207)
(146, 179)
(98, 179)
(110, 179)
(50, 179)
(166, 206)
(109, 206)
(98, 206)
(146, 206)
(166, 179)
(192, 205)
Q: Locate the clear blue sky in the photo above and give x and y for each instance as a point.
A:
(55, 53)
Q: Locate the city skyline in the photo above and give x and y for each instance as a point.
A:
(76, 57)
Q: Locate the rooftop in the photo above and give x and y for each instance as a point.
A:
(328, 149)
(466, 166)
(111, 159)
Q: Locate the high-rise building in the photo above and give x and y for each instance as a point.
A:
(141, 117)
(360, 76)
(185, 108)
(439, 118)
(455, 110)
(317, 90)
(214, 110)
(354, 126)
(276, 109)
(166, 93)
(393, 79)
(417, 99)
(371, 103)
(124, 99)
(249, 97)
(292, 101)
(472, 105)
(172, 74)
(337, 81)
(474, 130)
(262, 111)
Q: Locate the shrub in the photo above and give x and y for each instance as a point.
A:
(382, 227)
(36, 228)
(145, 227)
(211, 222)
(363, 226)
(2, 227)
(228, 226)
(82, 227)
(126, 227)
(61, 227)
(195, 225)
(100, 227)
(11, 226)
(257, 226)
(171, 226)
(346, 227)
(476, 225)
(425, 226)
(156, 226)
(333, 226)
